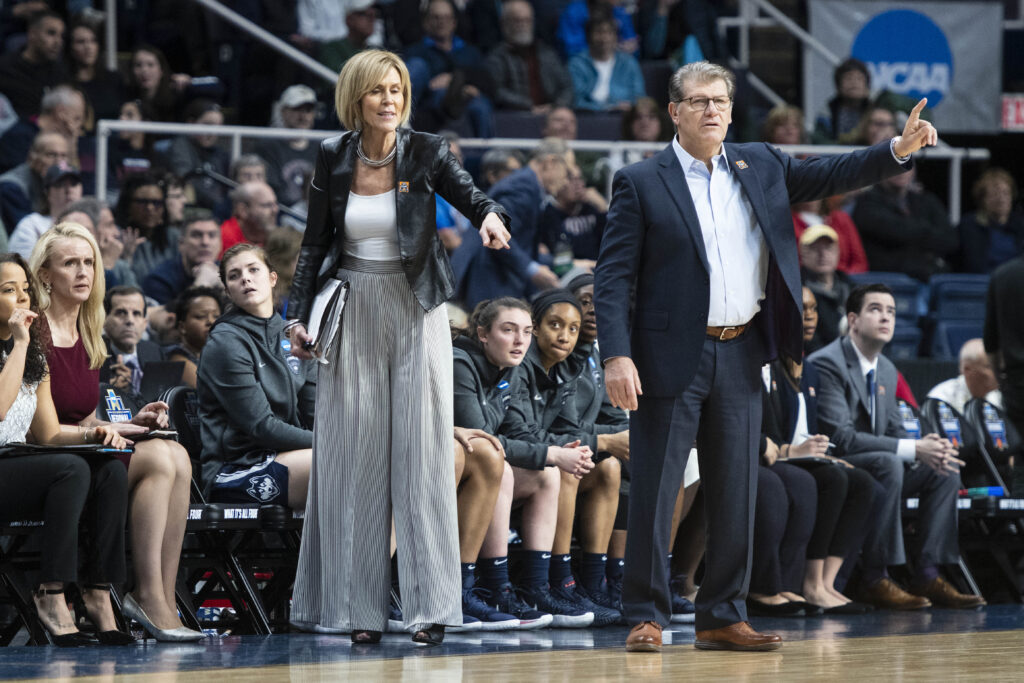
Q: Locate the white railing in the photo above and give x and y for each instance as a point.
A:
(954, 156)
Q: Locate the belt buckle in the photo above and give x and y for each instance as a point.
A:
(721, 337)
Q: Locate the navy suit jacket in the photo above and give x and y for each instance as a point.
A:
(653, 242)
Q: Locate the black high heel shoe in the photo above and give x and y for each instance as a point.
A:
(366, 637)
(430, 636)
(75, 639)
(114, 637)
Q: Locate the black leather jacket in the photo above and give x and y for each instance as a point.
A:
(423, 166)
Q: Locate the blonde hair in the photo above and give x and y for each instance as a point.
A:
(91, 314)
(361, 74)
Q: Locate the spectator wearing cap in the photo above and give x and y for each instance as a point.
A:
(25, 75)
(254, 215)
(819, 256)
(852, 258)
(62, 185)
(905, 228)
(62, 111)
(21, 188)
(289, 161)
(360, 19)
(194, 265)
(994, 232)
(528, 74)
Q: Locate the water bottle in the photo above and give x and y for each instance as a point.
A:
(562, 262)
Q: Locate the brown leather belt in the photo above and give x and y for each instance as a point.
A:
(727, 333)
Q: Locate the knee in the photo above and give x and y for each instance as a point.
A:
(179, 457)
(488, 460)
(609, 474)
(567, 482)
(68, 466)
(152, 460)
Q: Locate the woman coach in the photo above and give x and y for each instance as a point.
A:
(385, 425)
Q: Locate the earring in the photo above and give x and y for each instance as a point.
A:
(48, 287)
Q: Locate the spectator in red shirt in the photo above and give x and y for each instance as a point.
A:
(254, 215)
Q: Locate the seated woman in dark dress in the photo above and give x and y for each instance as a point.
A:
(66, 261)
(56, 487)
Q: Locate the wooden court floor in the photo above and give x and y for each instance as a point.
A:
(986, 656)
(937, 645)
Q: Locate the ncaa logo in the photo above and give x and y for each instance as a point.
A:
(906, 53)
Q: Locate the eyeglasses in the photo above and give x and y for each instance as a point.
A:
(147, 202)
(701, 103)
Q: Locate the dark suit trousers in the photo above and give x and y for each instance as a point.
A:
(936, 540)
(64, 490)
(721, 410)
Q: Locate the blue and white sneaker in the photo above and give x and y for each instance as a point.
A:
(683, 611)
(603, 599)
(469, 624)
(474, 607)
(507, 601)
(572, 592)
(565, 613)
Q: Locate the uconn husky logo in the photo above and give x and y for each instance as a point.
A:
(263, 488)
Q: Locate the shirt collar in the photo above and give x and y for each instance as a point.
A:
(865, 364)
(690, 163)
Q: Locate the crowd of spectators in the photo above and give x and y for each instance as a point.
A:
(176, 204)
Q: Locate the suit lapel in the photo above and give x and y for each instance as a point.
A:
(747, 174)
(857, 377)
(672, 175)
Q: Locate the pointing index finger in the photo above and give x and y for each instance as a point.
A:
(918, 108)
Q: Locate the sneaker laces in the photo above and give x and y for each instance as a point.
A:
(562, 599)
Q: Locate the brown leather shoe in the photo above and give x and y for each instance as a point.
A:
(738, 636)
(942, 593)
(885, 594)
(644, 637)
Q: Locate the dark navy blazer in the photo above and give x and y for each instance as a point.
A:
(653, 241)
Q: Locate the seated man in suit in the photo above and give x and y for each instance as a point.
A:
(857, 410)
(129, 352)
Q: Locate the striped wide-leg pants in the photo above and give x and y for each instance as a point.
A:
(382, 444)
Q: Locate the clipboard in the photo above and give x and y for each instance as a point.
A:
(19, 449)
(325, 317)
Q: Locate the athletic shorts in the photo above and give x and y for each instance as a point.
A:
(265, 483)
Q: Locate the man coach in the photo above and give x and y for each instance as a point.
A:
(703, 231)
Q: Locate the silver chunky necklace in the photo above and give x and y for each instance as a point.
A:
(373, 162)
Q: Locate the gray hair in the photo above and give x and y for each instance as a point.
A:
(699, 72)
(247, 160)
(496, 160)
(60, 96)
(90, 206)
(550, 147)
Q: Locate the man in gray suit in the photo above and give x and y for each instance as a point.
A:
(857, 410)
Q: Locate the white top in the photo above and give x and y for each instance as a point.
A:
(19, 417)
(604, 79)
(955, 393)
(371, 227)
(736, 250)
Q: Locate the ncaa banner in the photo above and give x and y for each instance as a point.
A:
(949, 52)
